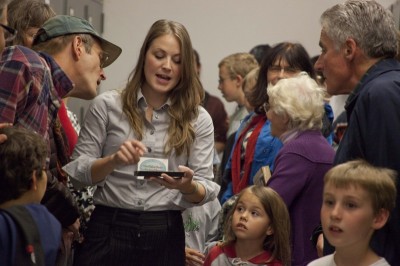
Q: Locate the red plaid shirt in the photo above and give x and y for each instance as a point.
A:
(31, 87)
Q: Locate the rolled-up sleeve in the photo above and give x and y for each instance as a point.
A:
(90, 144)
(106, 127)
(201, 159)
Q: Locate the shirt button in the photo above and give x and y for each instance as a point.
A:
(152, 132)
(156, 116)
(140, 202)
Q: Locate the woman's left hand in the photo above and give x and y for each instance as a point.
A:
(193, 257)
(184, 183)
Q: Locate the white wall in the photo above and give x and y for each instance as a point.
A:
(217, 28)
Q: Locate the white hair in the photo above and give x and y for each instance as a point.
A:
(301, 99)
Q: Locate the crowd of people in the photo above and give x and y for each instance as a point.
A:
(159, 174)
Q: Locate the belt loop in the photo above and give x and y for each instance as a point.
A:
(114, 217)
(171, 218)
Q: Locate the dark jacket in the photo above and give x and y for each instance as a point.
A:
(373, 115)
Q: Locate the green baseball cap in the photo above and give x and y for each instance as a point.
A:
(64, 25)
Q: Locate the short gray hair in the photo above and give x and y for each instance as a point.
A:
(367, 22)
(301, 99)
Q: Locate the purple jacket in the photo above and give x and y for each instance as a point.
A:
(298, 177)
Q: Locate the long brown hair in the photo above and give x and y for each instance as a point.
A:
(279, 242)
(185, 97)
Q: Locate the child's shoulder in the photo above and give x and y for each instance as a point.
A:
(323, 261)
(263, 259)
(219, 248)
(381, 262)
(219, 254)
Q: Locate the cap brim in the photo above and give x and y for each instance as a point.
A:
(113, 51)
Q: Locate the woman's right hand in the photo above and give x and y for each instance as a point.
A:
(129, 153)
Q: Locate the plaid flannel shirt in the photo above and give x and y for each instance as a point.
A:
(31, 87)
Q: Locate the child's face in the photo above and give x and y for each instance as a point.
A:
(28, 36)
(347, 216)
(231, 89)
(250, 222)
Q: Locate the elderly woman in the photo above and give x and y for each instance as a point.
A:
(295, 109)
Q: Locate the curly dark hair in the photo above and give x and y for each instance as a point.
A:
(20, 155)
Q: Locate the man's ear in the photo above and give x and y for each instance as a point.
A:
(77, 47)
(380, 219)
(350, 47)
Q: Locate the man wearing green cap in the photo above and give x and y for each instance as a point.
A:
(69, 63)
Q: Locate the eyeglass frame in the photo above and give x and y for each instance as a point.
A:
(103, 56)
(279, 69)
(11, 31)
(266, 106)
(222, 80)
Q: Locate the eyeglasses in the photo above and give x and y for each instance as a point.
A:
(103, 59)
(103, 56)
(222, 80)
(278, 69)
(266, 107)
(9, 33)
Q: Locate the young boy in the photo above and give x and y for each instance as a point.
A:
(357, 200)
(23, 181)
(232, 70)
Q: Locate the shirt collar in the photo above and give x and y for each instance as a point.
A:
(62, 83)
(289, 135)
(142, 103)
(364, 79)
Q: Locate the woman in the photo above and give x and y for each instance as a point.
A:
(255, 147)
(289, 60)
(295, 108)
(158, 114)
